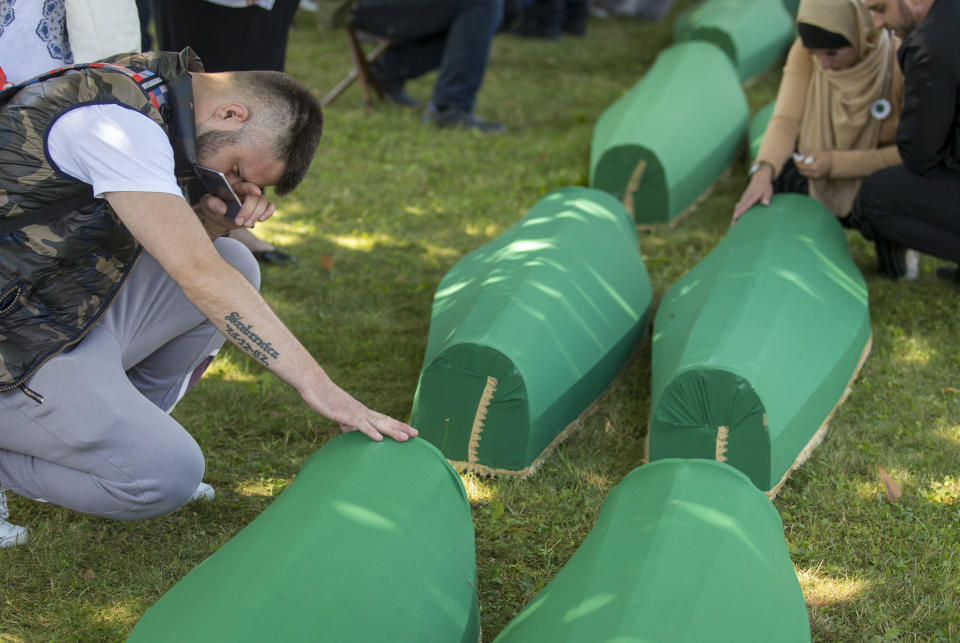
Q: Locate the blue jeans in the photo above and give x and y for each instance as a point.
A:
(452, 35)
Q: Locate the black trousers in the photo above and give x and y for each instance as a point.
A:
(226, 39)
(897, 209)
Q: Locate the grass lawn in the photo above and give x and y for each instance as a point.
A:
(396, 204)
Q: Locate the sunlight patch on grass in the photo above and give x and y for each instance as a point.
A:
(949, 434)
(10, 638)
(230, 373)
(820, 589)
(914, 350)
(293, 206)
(489, 231)
(121, 612)
(945, 491)
(478, 490)
(364, 242)
(262, 487)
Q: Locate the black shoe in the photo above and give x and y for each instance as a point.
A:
(273, 257)
(394, 92)
(950, 273)
(453, 117)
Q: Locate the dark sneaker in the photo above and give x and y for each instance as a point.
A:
(453, 117)
(394, 92)
(950, 273)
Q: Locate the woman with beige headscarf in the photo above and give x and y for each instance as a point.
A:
(836, 115)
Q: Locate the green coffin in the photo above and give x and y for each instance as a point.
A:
(528, 330)
(754, 33)
(755, 347)
(758, 125)
(373, 541)
(669, 138)
(683, 550)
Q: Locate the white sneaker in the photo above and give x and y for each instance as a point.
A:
(204, 492)
(10, 535)
(912, 259)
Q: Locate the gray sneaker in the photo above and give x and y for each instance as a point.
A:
(10, 535)
(453, 117)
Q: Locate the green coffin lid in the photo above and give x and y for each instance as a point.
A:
(754, 33)
(528, 330)
(758, 125)
(663, 143)
(373, 541)
(755, 347)
(683, 550)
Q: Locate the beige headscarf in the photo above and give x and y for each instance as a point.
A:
(836, 114)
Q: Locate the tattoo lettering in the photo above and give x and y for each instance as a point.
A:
(251, 343)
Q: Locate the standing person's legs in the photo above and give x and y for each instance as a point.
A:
(452, 35)
(222, 36)
(97, 444)
(898, 210)
(418, 30)
(466, 54)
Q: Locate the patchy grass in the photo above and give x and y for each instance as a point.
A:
(396, 204)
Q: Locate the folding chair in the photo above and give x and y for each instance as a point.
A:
(361, 69)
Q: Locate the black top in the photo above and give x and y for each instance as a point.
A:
(929, 133)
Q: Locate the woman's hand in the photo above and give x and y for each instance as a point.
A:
(759, 189)
(815, 165)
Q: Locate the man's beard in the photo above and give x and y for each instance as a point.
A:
(212, 141)
(909, 20)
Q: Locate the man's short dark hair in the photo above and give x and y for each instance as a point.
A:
(279, 101)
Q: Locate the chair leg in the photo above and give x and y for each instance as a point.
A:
(361, 69)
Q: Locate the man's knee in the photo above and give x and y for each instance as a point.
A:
(872, 195)
(240, 257)
(168, 485)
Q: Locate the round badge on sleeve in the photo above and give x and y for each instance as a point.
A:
(880, 109)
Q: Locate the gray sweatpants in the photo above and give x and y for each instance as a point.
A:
(102, 442)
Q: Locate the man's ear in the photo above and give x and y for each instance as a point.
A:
(232, 114)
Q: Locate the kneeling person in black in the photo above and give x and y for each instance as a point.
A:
(917, 204)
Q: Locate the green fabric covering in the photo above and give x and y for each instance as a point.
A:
(373, 541)
(754, 33)
(761, 337)
(684, 122)
(791, 6)
(542, 319)
(758, 125)
(683, 550)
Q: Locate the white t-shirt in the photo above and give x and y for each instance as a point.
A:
(114, 149)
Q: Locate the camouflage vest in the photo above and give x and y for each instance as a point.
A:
(63, 254)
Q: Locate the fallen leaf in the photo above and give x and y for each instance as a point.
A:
(88, 574)
(892, 488)
(326, 262)
(950, 389)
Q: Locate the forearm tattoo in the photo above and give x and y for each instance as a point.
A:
(251, 343)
